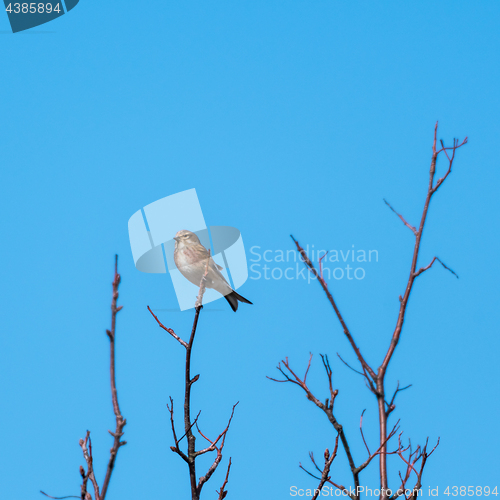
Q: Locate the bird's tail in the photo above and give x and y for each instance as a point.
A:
(233, 299)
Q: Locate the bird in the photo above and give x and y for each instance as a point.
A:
(190, 257)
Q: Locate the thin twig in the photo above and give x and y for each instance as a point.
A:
(431, 189)
(169, 330)
(391, 406)
(321, 267)
(325, 478)
(411, 461)
(413, 229)
(120, 421)
(347, 332)
(379, 449)
(223, 492)
(326, 407)
(58, 498)
(201, 292)
(192, 454)
(213, 447)
(361, 430)
(376, 380)
(349, 366)
(87, 454)
(326, 470)
(423, 269)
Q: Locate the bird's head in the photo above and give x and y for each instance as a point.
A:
(185, 237)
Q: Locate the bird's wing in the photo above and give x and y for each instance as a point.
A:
(216, 269)
(215, 279)
(212, 265)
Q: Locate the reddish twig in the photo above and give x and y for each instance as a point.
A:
(120, 421)
(86, 444)
(404, 299)
(391, 406)
(321, 267)
(169, 330)
(58, 498)
(349, 366)
(361, 430)
(376, 380)
(176, 448)
(187, 408)
(413, 458)
(326, 407)
(325, 477)
(213, 447)
(190, 456)
(223, 492)
(203, 282)
(371, 456)
(450, 159)
(84, 495)
(347, 333)
(413, 229)
(423, 269)
(222, 435)
(87, 454)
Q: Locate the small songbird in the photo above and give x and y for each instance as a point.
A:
(191, 256)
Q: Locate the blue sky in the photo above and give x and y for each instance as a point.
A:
(288, 118)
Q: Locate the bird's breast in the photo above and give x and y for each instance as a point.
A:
(186, 257)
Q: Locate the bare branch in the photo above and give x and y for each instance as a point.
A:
(327, 407)
(192, 454)
(375, 379)
(413, 273)
(361, 430)
(58, 498)
(423, 269)
(176, 448)
(325, 478)
(431, 189)
(222, 435)
(413, 458)
(347, 333)
(212, 447)
(169, 330)
(349, 366)
(379, 449)
(329, 374)
(391, 406)
(201, 291)
(450, 160)
(87, 454)
(120, 421)
(223, 492)
(326, 470)
(413, 229)
(321, 267)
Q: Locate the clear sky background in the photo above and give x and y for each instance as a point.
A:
(288, 117)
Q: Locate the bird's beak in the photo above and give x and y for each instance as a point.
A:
(176, 238)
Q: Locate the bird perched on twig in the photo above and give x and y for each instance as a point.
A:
(191, 256)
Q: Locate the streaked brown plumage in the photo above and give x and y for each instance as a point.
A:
(191, 256)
